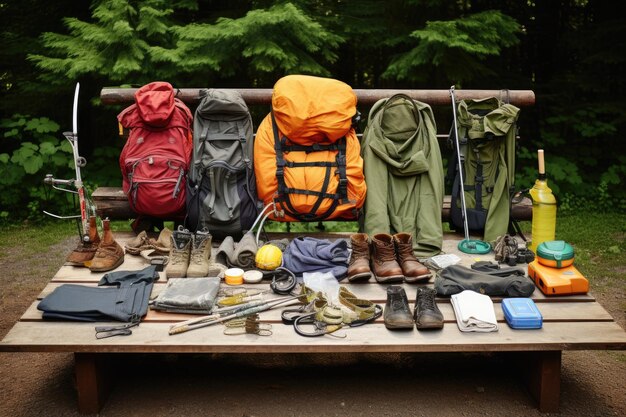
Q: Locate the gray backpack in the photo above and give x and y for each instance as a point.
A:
(221, 188)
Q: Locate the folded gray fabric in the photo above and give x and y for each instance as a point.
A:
(226, 251)
(308, 254)
(245, 251)
(456, 278)
(188, 295)
(239, 254)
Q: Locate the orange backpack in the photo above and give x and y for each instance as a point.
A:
(306, 154)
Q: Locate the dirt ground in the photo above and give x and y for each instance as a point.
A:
(593, 382)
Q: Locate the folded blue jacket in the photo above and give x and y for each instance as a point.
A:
(308, 254)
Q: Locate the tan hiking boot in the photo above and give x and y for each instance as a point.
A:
(359, 266)
(384, 264)
(412, 269)
(199, 264)
(179, 255)
(85, 251)
(110, 254)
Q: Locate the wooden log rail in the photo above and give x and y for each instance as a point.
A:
(252, 96)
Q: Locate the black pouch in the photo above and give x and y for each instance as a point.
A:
(456, 278)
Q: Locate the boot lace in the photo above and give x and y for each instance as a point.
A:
(405, 252)
(398, 302)
(197, 256)
(385, 254)
(178, 256)
(358, 252)
(427, 300)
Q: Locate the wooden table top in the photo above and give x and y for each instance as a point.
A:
(570, 323)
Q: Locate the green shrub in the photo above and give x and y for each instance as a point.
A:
(31, 148)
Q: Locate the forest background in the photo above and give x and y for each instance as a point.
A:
(570, 52)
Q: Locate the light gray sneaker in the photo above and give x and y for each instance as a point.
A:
(179, 254)
(199, 264)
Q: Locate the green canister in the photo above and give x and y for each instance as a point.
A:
(555, 253)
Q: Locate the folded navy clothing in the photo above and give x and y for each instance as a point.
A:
(308, 254)
(121, 295)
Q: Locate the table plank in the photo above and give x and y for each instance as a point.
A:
(152, 337)
(369, 291)
(580, 312)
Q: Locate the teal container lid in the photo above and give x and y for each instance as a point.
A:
(555, 250)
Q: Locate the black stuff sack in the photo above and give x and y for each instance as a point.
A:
(456, 278)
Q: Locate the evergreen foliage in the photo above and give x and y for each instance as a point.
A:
(281, 39)
(456, 47)
(124, 43)
(571, 54)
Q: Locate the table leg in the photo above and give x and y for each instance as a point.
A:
(92, 382)
(543, 376)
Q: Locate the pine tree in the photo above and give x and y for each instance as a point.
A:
(278, 40)
(138, 41)
(455, 48)
(125, 42)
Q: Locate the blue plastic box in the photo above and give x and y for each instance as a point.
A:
(522, 313)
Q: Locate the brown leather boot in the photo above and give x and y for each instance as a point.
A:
(384, 264)
(359, 266)
(412, 269)
(110, 254)
(85, 251)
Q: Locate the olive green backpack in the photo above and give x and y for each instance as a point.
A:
(487, 131)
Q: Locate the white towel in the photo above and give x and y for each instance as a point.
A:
(474, 312)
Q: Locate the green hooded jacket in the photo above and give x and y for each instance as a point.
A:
(404, 173)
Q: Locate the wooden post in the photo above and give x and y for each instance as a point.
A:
(543, 376)
(92, 382)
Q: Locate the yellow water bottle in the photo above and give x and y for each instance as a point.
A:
(544, 208)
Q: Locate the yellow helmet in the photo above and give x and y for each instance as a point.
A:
(268, 257)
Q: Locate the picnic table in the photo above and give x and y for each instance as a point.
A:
(576, 322)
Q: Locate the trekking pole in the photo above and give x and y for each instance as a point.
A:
(197, 323)
(77, 182)
(467, 245)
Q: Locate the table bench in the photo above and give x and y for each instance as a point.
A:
(576, 322)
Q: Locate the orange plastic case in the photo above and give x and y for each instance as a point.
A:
(558, 281)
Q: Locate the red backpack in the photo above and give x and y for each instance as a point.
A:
(156, 156)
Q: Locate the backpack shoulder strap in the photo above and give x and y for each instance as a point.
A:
(280, 145)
